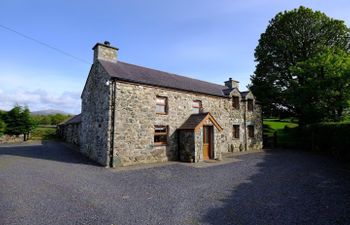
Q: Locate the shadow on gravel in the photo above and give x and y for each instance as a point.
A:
(290, 188)
(48, 150)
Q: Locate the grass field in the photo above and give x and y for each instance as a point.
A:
(44, 133)
(285, 129)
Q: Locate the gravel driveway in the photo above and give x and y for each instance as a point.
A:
(51, 184)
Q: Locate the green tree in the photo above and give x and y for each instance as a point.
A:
(290, 38)
(13, 121)
(19, 121)
(58, 118)
(27, 123)
(2, 127)
(325, 92)
(42, 119)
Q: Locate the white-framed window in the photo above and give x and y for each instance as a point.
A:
(197, 106)
(161, 105)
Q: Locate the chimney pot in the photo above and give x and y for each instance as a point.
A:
(107, 43)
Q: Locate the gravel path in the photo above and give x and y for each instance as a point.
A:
(51, 184)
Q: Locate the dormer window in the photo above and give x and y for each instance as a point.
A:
(196, 106)
(235, 102)
(250, 104)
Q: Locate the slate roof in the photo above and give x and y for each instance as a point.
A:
(138, 74)
(244, 93)
(72, 120)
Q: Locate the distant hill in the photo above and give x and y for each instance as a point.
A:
(49, 112)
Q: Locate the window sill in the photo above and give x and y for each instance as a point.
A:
(160, 144)
(162, 113)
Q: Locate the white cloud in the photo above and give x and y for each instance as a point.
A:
(40, 100)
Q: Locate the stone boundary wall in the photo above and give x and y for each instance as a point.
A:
(9, 139)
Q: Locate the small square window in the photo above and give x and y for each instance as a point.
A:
(235, 102)
(196, 106)
(161, 105)
(160, 135)
(251, 131)
(236, 131)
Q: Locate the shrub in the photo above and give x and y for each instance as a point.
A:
(2, 127)
(331, 138)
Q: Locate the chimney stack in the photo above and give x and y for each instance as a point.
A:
(231, 84)
(105, 52)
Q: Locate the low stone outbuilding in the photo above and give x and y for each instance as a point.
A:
(133, 114)
(69, 130)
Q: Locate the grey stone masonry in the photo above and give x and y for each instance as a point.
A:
(95, 116)
(70, 133)
(136, 118)
(105, 52)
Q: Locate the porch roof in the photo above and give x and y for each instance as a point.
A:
(196, 121)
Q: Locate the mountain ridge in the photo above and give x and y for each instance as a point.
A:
(49, 112)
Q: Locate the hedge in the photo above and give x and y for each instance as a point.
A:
(330, 138)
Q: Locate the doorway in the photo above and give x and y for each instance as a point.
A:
(207, 142)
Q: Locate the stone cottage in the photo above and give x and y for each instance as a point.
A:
(132, 114)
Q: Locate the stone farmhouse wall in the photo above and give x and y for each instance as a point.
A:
(136, 118)
(95, 116)
(186, 145)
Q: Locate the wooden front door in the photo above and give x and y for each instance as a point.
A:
(207, 141)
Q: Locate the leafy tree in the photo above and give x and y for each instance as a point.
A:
(325, 92)
(3, 115)
(58, 118)
(2, 127)
(292, 37)
(13, 121)
(42, 119)
(19, 122)
(50, 119)
(27, 123)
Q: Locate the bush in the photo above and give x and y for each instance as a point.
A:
(331, 138)
(44, 133)
(2, 127)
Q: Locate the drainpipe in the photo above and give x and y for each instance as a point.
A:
(245, 125)
(113, 111)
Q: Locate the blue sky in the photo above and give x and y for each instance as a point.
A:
(207, 40)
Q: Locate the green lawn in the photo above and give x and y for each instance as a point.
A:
(286, 131)
(44, 133)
